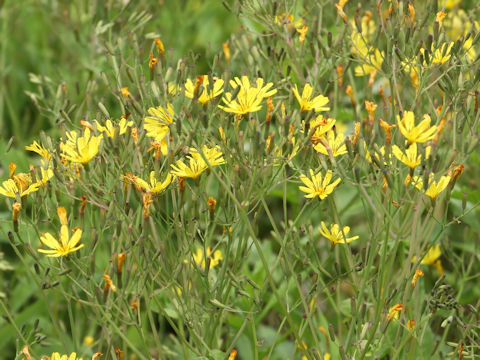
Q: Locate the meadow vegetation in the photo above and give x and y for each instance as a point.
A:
(243, 179)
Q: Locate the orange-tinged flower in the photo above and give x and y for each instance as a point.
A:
(393, 313)
(160, 47)
(303, 33)
(125, 92)
(233, 355)
(212, 203)
(152, 61)
(388, 130)
(417, 274)
(226, 51)
(109, 283)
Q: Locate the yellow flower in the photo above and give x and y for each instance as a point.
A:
(154, 186)
(316, 187)
(432, 255)
(248, 98)
(394, 310)
(335, 143)
(303, 33)
(160, 47)
(307, 103)
(160, 147)
(434, 188)
(46, 173)
(57, 356)
(448, 4)
(440, 55)
(80, 149)
(172, 88)
(39, 149)
(109, 128)
(369, 27)
(335, 234)
(417, 274)
(226, 51)
(11, 189)
(191, 89)
(157, 125)
(382, 152)
(197, 164)
(67, 244)
(410, 158)
(125, 92)
(321, 125)
(108, 284)
(371, 57)
(373, 61)
(420, 133)
(200, 258)
(88, 340)
(410, 65)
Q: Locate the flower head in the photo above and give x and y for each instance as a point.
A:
(66, 244)
(315, 186)
(410, 157)
(321, 126)
(39, 149)
(434, 187)
(334, 143)
(335, 234)
(57, 356)
(432, 255)
(80, 149)
(207, 92)
(157, 125)
(109, 128)
(155, 186)
(12, 189)
(394, 311)
(370, 57)
(200, 258)
(307, 103)
(249, 98)
(421, 133)
(439, 55)
(197, 164)
(417, 274)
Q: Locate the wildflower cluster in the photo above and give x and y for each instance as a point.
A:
(301, 194)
